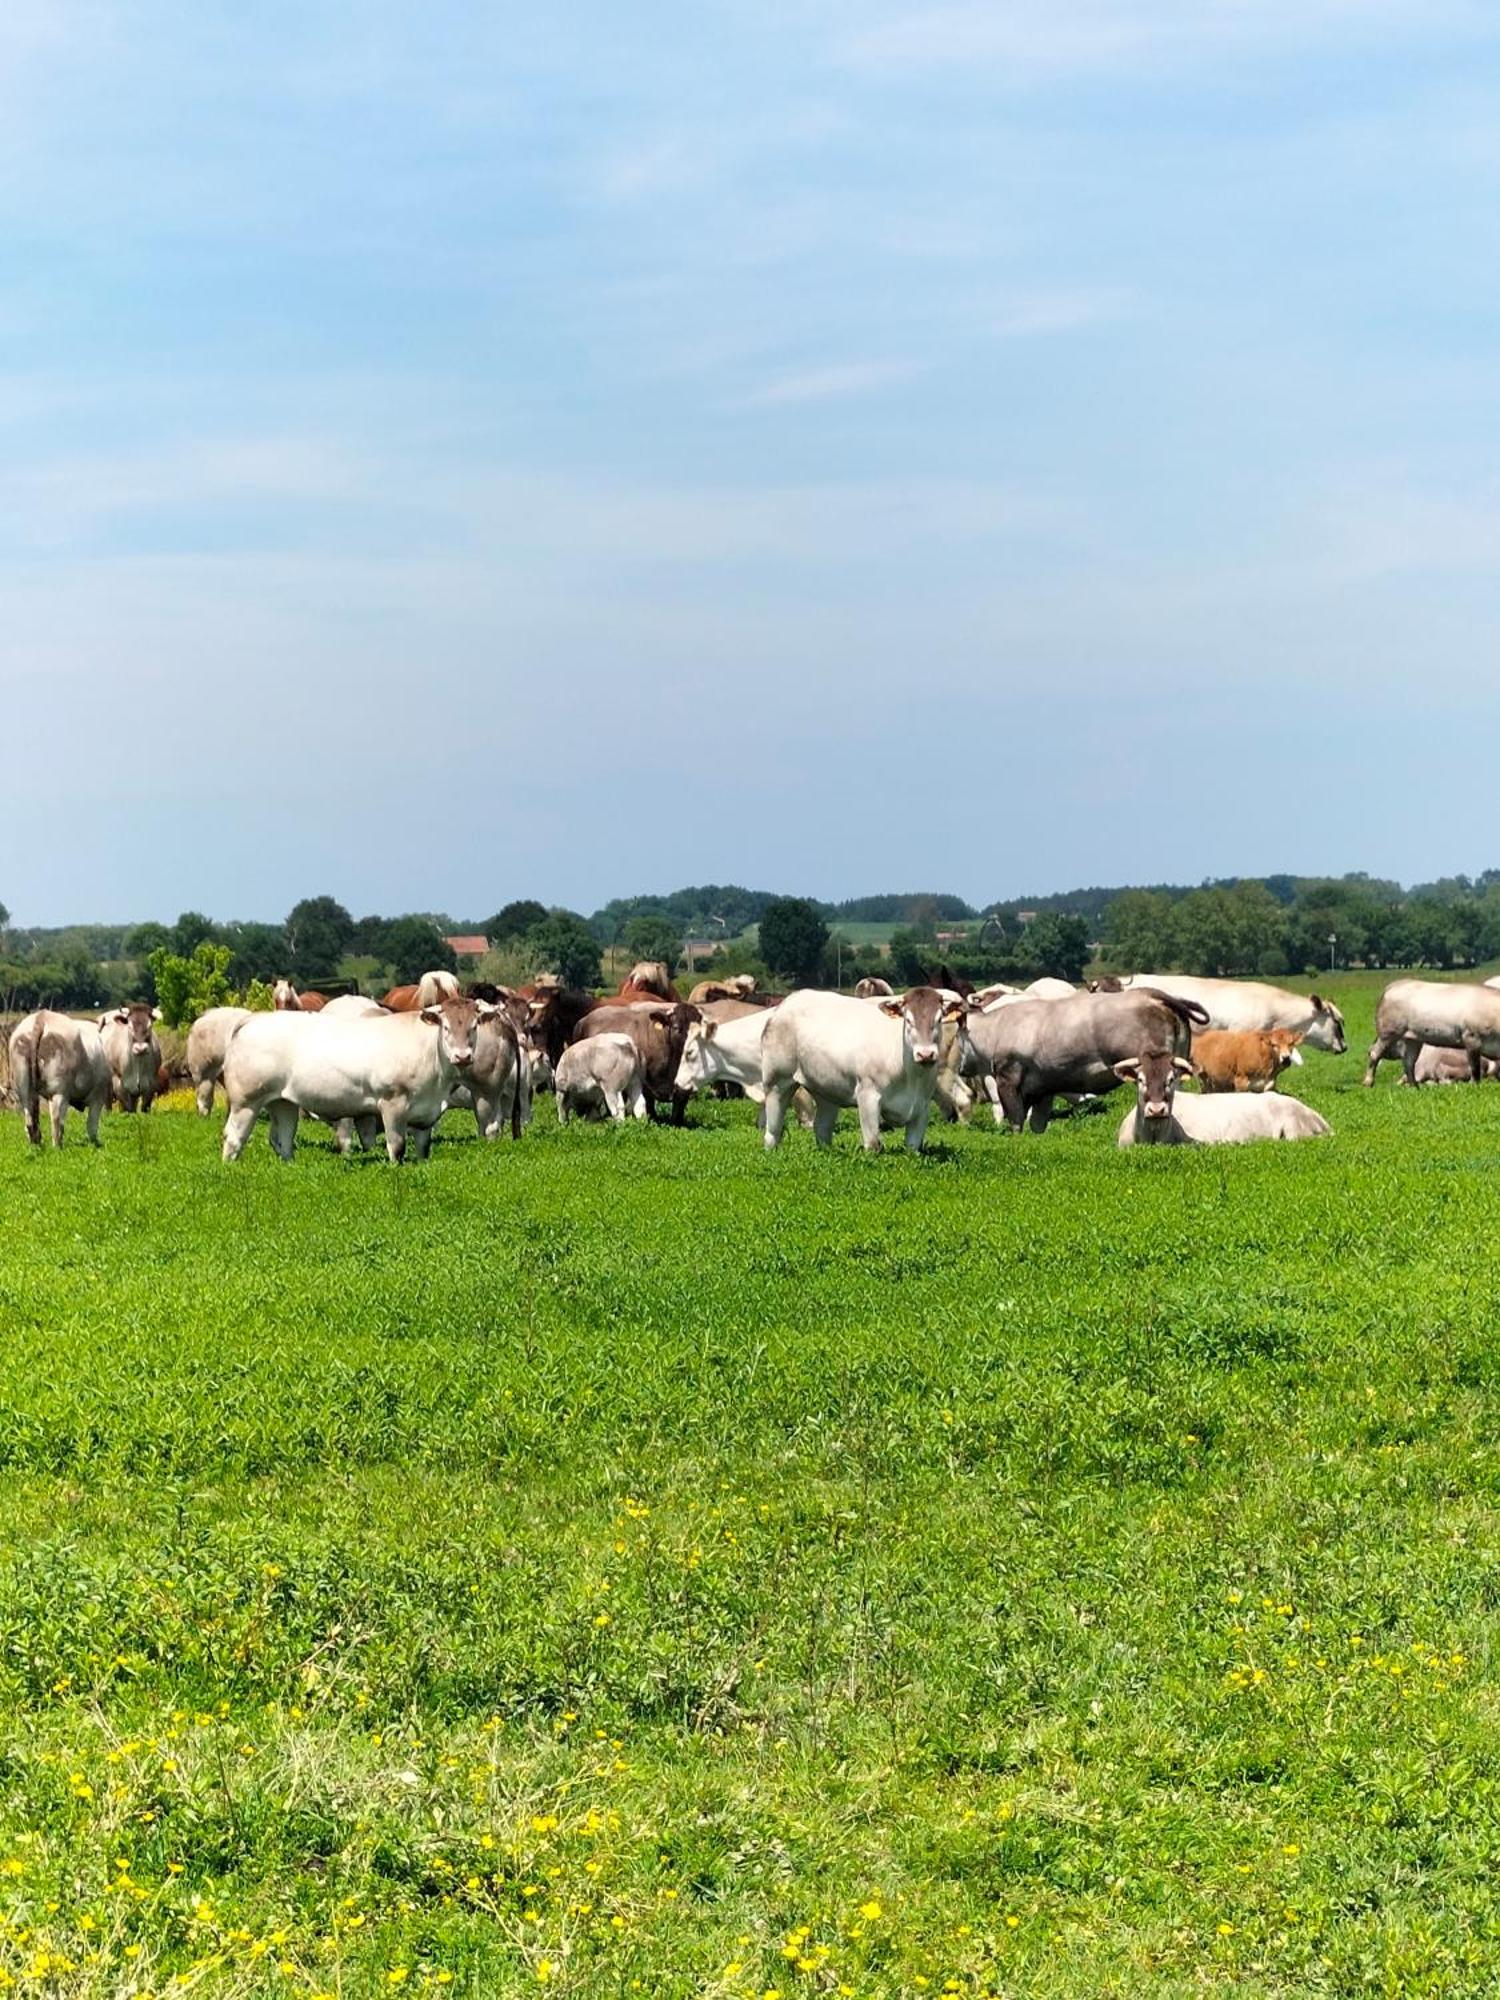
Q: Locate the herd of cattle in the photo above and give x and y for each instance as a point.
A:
(395, 1066)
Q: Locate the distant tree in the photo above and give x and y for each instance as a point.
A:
(1140, 931)
(792, 937)
(258, 951)
(318, 933)
(564, 944)
(414, 945)
(143, 939)
(1056, 944)
(653, 937)
(368, 938)
(189, 931)
(188, 986)
(515, 920)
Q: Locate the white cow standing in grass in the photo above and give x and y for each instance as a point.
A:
(59, 1062)
(397, 1069)
(880, 1056)
(1443, 1014)
(207, 1041)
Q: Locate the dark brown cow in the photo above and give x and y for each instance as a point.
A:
(659, 1029)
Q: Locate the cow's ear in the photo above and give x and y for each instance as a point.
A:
(707, 1030)
(433, 1014)
(891, 1005)
(1318, 1001)
(1129, 1070)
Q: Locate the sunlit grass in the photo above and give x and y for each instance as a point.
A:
(624, 1562)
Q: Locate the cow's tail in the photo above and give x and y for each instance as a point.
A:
(516, 1074)
(1191, 1013)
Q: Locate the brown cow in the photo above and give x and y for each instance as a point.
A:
(1249, 1061)
(285, 999)
(659, 1031)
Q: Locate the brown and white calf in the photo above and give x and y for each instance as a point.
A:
(1249, 1061)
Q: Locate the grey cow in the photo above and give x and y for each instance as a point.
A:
(1041, 1049)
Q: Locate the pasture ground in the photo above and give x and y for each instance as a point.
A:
(624, 1563)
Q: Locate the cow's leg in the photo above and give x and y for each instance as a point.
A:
(824, 1119)
(679, 1106)
(638, 1104)
(96, 1112)
(368, 1129)
(916, 1128)
(34, 1118)
(1012, 1103)
(1380, 1048)
(204, 1096)
(58, 1111)
(343, 1136)
(614, 1104)
(282, 1116)
(867, 1104)
(562, 1107)
(1041, 1113)
(237, 1129)
(421, 1138)
(1409, 1051)
(1475, 1053)
(778, 1097)
(393, 1115)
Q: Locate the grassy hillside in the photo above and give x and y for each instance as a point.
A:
(624, 1562)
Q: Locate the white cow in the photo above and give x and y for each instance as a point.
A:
(1245, 1005)
(496, 1087)
(601, 1072)
(1450, 1066)
(725, 1052)
(881, 1057)
(207, 1040)
(62, 1062)
(350, 1007)
(133, 1054)
(1160, 1117)
(1446, 1014)
(1050, 989)
(397, 1068)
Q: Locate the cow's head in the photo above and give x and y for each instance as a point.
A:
(284, 997)
(922, 1013)
(1284, 1046)
(457, 1022)
(1327, 1029)
(1155, 1076)
(137, 1018)
(699, 1064)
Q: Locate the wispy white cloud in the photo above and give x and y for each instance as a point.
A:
(1061, 312)
(1029, 40)
(834, 383)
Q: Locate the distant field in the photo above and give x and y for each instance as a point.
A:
(626, 1563)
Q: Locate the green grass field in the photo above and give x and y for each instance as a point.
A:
(623, 1563)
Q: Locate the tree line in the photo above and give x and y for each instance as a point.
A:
(1268, 926)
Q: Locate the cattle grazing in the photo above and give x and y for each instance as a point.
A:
(659, 1032)
(870, 988)
(60, 1062)
(1161, 1118)
(602, 1072)
(1040, 1049)
(397, 1069)
(739, 986)
(496, 1087)
(718, 1051)
(1251, 1061)
(1449, 1065)
(1238, 1005)
(1444, 1014)
(882, 1059)
(207, 1040)
(133, 1054)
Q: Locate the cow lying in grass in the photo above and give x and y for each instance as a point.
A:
(1161, 1118)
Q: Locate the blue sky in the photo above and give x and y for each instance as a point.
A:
(458, 452)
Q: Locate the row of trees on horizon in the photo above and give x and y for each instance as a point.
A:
(1267, 926)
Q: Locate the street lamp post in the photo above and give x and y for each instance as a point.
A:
(1333, 938)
